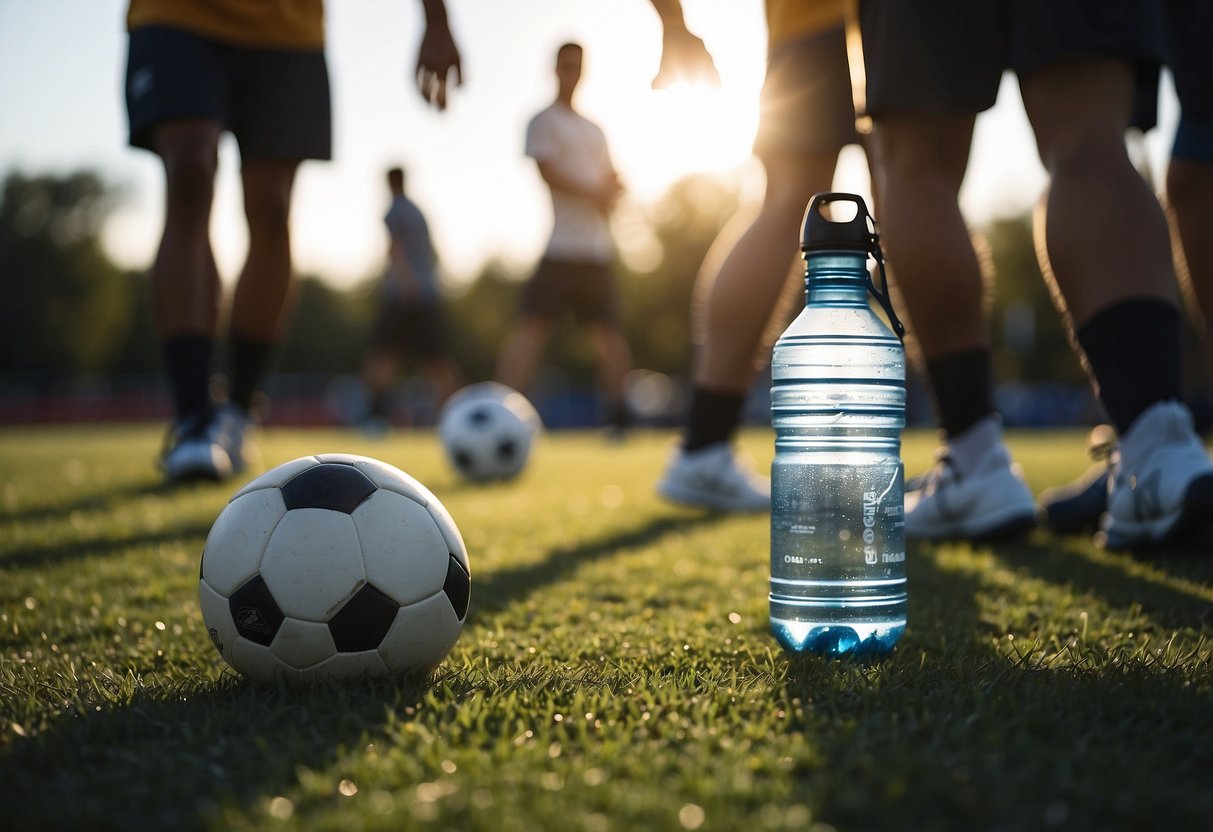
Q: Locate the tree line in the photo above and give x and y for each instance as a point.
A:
(68, 311)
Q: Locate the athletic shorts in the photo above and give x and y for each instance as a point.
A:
(805, 106)
(588, 290)
(411, 330)
(1188, 26)
(275, 102)
(949, 55)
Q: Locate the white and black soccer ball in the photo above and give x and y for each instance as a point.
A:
(487, 431)
(334, 566)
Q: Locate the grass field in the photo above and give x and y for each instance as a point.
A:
(616, 671)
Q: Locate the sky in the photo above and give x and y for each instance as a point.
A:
(62, 109)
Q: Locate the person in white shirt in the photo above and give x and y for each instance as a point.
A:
(575, 274)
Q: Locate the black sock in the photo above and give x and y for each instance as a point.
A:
(714, 415)
(964, 393)
(187, 362)
(618, 415)
(247, 360)
(1133, 351)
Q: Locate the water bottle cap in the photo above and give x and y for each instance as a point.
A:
(821, 232)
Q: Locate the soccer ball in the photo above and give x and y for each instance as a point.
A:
(334, 566)
(487, 430)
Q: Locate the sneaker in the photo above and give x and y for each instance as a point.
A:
(191, 454)
(1076, 508)
(992, 501)
(712, 478)
(1161, 490)
(228, 429)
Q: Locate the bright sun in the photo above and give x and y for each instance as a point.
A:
(661, 136)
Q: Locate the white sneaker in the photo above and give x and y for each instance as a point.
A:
(1162, 483)
(991, 501)
(712, 478)
(191, 454)
(228, 430)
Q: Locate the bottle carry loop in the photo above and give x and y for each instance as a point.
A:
(858, 233)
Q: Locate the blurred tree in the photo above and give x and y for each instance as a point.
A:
(66, 306)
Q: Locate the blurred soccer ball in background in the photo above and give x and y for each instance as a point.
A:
(487, 431)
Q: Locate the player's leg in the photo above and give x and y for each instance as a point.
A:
(520, 355)
(614, 363)
(930, 67)
(1109, 256)
(541, 300)
(1189, 185)
(275, 131)
(176, 100)
(806, 118)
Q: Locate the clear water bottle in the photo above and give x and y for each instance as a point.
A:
(838, 407)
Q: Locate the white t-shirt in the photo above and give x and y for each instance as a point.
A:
(577, 148)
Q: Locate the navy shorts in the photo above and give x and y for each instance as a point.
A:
(411, 329)
(949, 55)
(586, 289)
(805, 106)
(275, 102)
(1188, 25)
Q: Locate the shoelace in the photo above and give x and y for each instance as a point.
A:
(932, 476)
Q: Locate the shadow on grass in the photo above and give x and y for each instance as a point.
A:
(502, 587)
(50, 556)
(952, 732)
(102, 499)
(169, 758)
(174, 755)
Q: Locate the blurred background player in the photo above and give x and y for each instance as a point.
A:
(410, 321)
(930, 67)
(575, 273)
(1188, 199)
(806, 117)
(195, 70)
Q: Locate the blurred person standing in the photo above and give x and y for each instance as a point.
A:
(576, 273)
(806, 117)
(411, 321)
(257, 70)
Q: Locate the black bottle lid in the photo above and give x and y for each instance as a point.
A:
(820, 232)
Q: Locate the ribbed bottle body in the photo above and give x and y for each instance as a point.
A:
(837, 531)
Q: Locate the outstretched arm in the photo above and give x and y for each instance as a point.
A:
(683, 55)
(438, 56)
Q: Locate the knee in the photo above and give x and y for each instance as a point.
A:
(190, 177)
(268, 210)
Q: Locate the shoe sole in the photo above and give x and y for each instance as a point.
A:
(1003, 528)
(705, 500)
(1192, 524)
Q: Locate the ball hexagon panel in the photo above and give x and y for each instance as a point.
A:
(217, 613)
(364, 620)
(347, 666)
(421, 636)
(259, 663)
(302, 644)
(450, 533)
(335, 486)
(313, 563)
(255, 612)
(404, 552)
(238, 539)
(279, 476)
